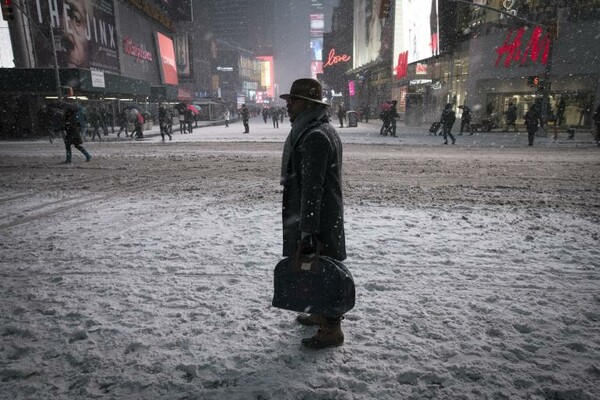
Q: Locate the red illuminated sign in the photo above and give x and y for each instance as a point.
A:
(333, 59)
(402, 67)
(537, 47)
(168, 66)
(129, 47)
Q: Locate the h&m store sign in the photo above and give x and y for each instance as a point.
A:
(523, 45)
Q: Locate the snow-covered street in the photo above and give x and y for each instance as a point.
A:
(147, 272)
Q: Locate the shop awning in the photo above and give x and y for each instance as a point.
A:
(163, 93)
(41, 81)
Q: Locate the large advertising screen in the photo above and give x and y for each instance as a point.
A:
(84, 31)
(416, 33)
(266, 74)
(367, 31)
(167, 63)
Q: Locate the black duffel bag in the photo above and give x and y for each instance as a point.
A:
(435, 127)
(325, 288)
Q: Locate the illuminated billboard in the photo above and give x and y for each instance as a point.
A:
(85, 33)
(167, 63)
(367, 32)
(317, 25)
(416, 33)
(266, 74)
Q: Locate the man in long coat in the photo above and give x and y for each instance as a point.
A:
(311, 175)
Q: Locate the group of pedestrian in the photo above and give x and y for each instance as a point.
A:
(533, 121)
(275, 114)
(186, 120)
(388, 115)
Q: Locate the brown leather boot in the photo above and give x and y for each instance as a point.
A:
(309, 319)
(329, 334)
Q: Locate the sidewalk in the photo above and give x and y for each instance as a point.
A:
(364, 133)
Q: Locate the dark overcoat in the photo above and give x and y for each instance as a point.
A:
(312, 186)
(72, 127)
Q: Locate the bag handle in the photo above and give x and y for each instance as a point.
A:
(302, 264)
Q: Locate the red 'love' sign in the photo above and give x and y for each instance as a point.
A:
(333, 59)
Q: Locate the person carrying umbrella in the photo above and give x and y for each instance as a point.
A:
(138, 123)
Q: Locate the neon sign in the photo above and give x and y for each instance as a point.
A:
(132, 49)
(333, 59)
(537, 47)
(402, 67)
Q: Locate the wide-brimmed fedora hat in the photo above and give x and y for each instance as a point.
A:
(307, 89)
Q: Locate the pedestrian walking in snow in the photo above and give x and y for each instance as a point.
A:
(341, 114)
(275, 118)
(465, 120)
(597, 124)
(189, 120)
(511, 117)
(163, 122)
(72, 133)
(532, 121)
(447, 121)
(122, 120)
(138, 126)
(313, 213)
(245, 117)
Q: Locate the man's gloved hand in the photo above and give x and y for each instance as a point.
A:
(307, 251)
(308, 244)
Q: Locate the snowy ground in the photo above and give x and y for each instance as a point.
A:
(147, 273)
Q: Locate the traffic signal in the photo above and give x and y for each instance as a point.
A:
(8, 12)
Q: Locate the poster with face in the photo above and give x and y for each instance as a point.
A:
(84, 33)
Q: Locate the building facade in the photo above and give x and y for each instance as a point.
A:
(427, 54)
(488, 59)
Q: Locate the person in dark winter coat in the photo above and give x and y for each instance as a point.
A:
(189, 120)
(511, 117)
(597, 124)
(245, 117)
(164, 122)
(138, 126)
(393, 116)
(122, 121)
(311, 175)
(275, 117)
(341, 114)
(447, 121)
(532, 119)
(465, 120)
(72, 133)
(94, 118)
